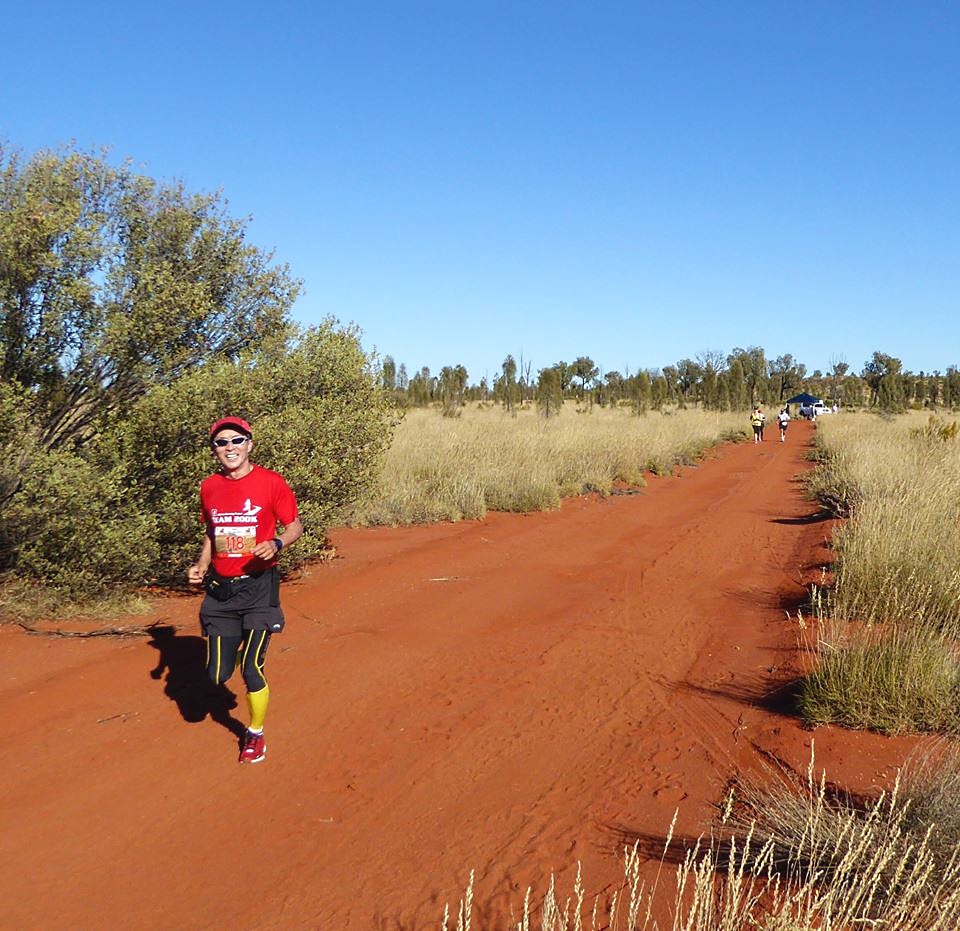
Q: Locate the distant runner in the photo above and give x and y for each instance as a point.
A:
(757, 421)
(783, 420)
(241, 506)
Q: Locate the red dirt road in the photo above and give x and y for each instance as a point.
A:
(509, 695)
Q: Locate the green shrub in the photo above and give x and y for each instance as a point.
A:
(124, 510)
(81, 528)
(896, 680)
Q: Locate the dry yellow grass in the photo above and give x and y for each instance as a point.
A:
(452, 468)
(791, 858)
(898, 553)
(887, 656)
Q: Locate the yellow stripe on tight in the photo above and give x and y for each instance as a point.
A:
(219, 653)
(257, 654)
(246, 649)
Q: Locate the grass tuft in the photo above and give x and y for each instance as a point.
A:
(900, 680)
(22, 600)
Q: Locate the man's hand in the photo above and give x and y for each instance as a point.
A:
(195, 574)
(266, 550)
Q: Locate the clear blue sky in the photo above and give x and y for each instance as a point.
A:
(633, 181)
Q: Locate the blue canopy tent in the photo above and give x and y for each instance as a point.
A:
(806, 402)
(804, 399)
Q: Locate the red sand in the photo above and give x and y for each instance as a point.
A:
(509, 695)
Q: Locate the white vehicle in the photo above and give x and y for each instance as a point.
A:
(819, 408)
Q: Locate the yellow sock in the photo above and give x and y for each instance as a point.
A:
(257, 702)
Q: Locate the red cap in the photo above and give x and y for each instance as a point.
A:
(238, 424)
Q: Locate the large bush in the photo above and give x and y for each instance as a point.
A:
(124, 508)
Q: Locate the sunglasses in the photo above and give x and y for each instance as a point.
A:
(233, 441)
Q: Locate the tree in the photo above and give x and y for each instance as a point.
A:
(753, 361)
(890, 395)
(112, 282)
(689, 374)
(421, 389)
(838, 366)
(880, 367)
(659, 392)
(713, 359)
(670, 376)
(738, 392)
(786, 376)
(132, 314)
(613, 388)
(852, 391)
(565, 374)
(951, 388)
(451, 385)
(388, 374)
(642, 393)
(586, 370)
(723, 394)
(709, 389)
(549, 392)
(838, 369)
(711, 363)
(524, 384)
(508, 383)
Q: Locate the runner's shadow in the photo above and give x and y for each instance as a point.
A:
(183, 660)
(817, 517)
(778, 697)
(649, 846)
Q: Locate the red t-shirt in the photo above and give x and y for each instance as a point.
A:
(240, 513)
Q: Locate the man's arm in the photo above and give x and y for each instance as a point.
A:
(291, 533)
(198, 570)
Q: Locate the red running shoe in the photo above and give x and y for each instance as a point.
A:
(254, 749)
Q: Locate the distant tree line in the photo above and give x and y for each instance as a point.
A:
(713, 380)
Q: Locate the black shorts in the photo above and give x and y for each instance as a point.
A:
(254, 605)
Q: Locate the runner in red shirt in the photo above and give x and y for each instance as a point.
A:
(241, 507)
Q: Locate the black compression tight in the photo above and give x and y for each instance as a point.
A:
(251, 649)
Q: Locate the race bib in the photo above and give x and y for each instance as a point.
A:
(235, 541)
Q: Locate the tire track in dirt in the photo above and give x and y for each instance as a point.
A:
(510, 695)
